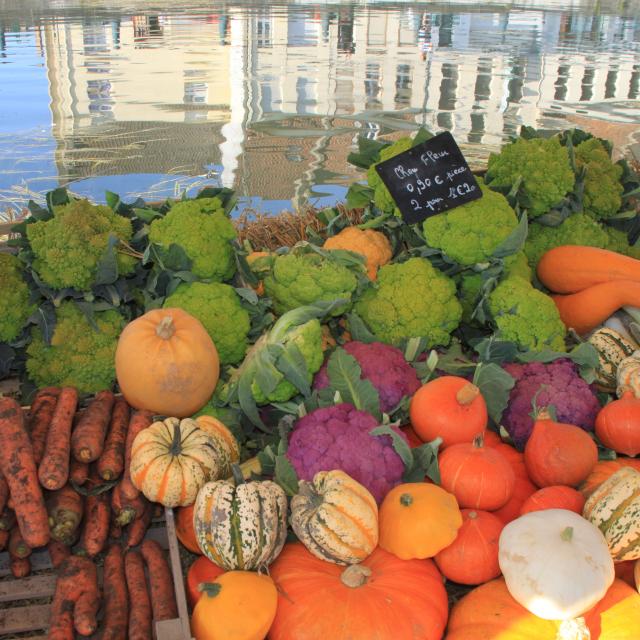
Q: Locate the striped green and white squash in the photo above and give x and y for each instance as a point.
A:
(335, 517)
(614, 507)
(612, 348)
(241, 526)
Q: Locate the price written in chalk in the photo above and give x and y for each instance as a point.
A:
(429, 178)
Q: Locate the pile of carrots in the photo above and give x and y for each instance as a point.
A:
(64, 484)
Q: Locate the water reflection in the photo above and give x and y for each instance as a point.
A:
(269, 98)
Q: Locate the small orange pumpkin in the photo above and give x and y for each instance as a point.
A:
(202, 570)
(478, 476)
(167, 363)
(472, 558)
(417, 520)
(237, 605)
(618, 424)
(554, 497)
(522, 489)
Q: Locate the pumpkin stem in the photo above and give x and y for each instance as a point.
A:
(406, 499)
(467, 394)
(211, 589)
(355, 576)
(472, 515)
(176, 444)
(238, 476)
(567, 534)
(166, 328)
(575, 629)
(478, 441)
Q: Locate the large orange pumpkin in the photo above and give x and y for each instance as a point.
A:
(472, 558)
(382, 598)
(167, 363)
(202, 570)
(417, 520)
(490, 613)
(184, 529)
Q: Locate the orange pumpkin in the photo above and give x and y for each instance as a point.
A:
(202, 570)
(472, 558)
(603, 470)
(490, 613)
(478, 476)
(167, 363)
(618, 424)
(184, 529)
(554, 497)
(448, 407)
(417, 520)
(522, 489)
(382, 598)
(559, 453)
(238, 605)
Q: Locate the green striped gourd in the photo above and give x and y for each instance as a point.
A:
(614, 507)
(629, 375)
(240, 526)
(172, 459)
(612, 348)
(335, 517)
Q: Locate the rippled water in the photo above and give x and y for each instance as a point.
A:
(269, 97)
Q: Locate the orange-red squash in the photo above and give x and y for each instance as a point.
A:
(618, 425)
(554, 497)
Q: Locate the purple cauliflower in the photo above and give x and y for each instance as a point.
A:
(383, 365)
(557, 383)
(338, 437)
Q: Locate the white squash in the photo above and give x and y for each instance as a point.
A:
(555, 563)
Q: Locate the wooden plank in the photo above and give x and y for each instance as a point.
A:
(30, 587)
(176, 570)
(19, 619)
(40, 561)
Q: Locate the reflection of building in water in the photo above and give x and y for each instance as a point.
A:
(150, 82)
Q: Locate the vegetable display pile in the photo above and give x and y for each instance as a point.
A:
(384, 431)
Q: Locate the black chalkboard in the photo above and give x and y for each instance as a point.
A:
(429, 178)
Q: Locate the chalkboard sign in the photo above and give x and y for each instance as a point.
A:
(429, 178)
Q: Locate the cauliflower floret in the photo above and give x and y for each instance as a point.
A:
(339, 437)
(382, 198)
(218, 307)
(471, 233)
(15, 306)
(301, 279)
(205, 233)
(412, 299)
(526, 316)
(79, 355)
(543, 166)
(69, 246)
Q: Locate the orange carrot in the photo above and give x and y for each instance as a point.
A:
(7, 519)
(87, 439)
(139, 420)
(96, 527)
(76, 600)
(572, 268)
(125, 510)
(54, 467)
(116, 601)
(20, 567)
(4, 539)
(138, 528)
(163, 599)
(111, 462)
(587, 309)
(39, 419)
(65, 508)
(58, 552)
(19, 469)
(17, 546)
(140, 607)
(78, 472)
(4, 493)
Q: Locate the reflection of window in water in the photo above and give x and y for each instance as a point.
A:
(100, 100)
(448, 87)
(372, 85)
(586, 89)
(403, 84)
(561, 83)
(634, 83)
(345, 32)
(195, 92)
(444, 22)
(263, 30)
(146, 27)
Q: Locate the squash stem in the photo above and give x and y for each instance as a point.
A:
(406, 500)
(567, 534)
(467, 394)
(355, 576)
(165, 328)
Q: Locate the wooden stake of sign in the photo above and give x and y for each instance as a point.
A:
(429, 178)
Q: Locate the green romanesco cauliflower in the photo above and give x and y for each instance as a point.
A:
(542, 164)
(69, 246)
(471, 233)
(78, 356)
(203, 230)
(602, 186)
(382, 198)
(308, 338)
(526, 316)
(518, 265)
(15, 306)
(218, 307)
(411, 299)
(299, 279)
(617, 241)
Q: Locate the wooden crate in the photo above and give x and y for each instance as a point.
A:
(33, 619)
